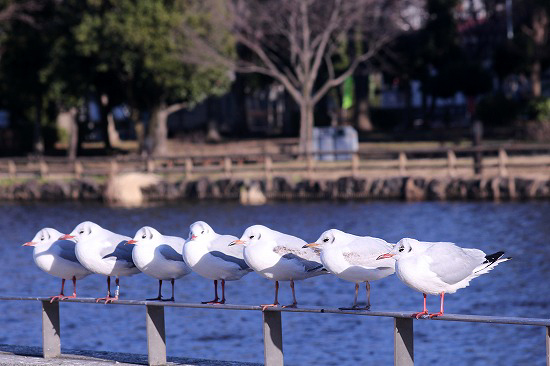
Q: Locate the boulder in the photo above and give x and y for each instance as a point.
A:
(125, 189)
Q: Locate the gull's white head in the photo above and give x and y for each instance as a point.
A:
(82, 231)
(332, 237)
(404, 248)
(254, 234)
(44, 238)
(199, 230)
(145, 235)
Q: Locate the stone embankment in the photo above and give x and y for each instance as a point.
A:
(256, 191)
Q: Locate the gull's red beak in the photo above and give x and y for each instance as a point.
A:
(311, 245)
(237, 242)
(193, 237)
(66, 237)
(387, 255)
(131, 242)
(29, 244)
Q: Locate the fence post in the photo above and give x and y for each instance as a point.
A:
(502, 161)
(150, 165)
(113, 168)
(78, 169)
(188, 168)
(43, 169)
(273, 338)
(402, 163)
(156, 338)
(547, 346)
(268, 166)
(310, 164)
(51, 330)
(12, 169)
(354, 164)
(227, 166)
(451, 163)
(403, 342)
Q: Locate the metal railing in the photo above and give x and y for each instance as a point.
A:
(497, 160)
(272, 330)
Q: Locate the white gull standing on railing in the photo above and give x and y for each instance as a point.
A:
(279, 257)
(159, 256)
(58, 258)
(354, 258)
(209, 254)
(439, 268)
(104, 252)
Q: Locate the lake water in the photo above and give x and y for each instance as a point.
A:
(515, 288)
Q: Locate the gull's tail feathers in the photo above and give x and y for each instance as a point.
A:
(491, 261)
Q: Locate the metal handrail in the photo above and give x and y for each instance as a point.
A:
(273, 345)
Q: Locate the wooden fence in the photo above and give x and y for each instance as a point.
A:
(489, 160)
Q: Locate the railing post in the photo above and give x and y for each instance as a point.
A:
(403, 354)
(273, 338)
(547, 346)
(51, 330)
(156, 339)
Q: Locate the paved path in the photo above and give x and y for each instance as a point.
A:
(23, 355)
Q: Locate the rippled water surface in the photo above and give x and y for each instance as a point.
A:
(515, 288)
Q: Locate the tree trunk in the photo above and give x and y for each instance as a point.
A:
(67, 119)
(539, 35)
(157, 133)
(306, 126)
(105, 110)
(536, 85)
(38, 141)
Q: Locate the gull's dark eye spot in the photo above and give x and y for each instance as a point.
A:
(251, 237)
(325, 240)
(144, 236)
(81, 232)
(401, 249)
(202, 232)
(42, 238)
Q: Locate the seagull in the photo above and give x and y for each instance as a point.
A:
(209, 254)
(159, 256)
(353, 258)
(279, 257)
(57, 257)
(439, 267)
(104, 252)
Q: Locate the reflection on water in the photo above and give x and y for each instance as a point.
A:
(515, 288)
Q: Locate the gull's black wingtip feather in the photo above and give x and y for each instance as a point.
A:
(492, 258)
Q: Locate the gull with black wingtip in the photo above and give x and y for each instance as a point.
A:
(439, 268)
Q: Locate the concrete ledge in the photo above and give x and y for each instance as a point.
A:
(23, 355)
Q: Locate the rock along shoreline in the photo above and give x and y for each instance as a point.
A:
(279, 188)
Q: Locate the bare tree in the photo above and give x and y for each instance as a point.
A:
(538, 32)
(309, 46)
